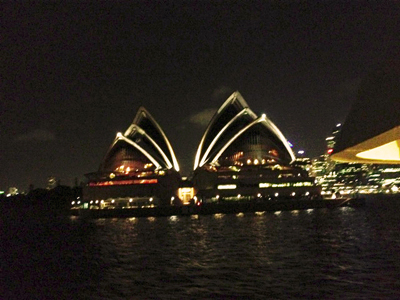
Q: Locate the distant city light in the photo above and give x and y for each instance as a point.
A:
(300, 152)
(227, 186)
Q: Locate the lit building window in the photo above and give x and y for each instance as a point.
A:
(227, 186)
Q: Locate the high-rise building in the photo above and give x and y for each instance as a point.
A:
(332, 139)
(51, 182)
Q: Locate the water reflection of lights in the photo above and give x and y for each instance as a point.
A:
(194, 217)
(259, 213)
(218, 216)
(240, 214)
(346, 208)
(310, 210)
(295, 212)
(173, 218)
(277, 212)
(151, 219)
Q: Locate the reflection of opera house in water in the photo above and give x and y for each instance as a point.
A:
(240, 157)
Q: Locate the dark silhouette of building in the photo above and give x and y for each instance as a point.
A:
(371, 132)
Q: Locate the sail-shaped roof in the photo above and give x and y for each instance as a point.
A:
(147, 140)
(230, 124)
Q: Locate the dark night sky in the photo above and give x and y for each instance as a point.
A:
(74, 75)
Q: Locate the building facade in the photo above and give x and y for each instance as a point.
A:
(242, 156)
(140, 169)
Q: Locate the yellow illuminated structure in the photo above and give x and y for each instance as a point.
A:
(371, 133)
(186, 194)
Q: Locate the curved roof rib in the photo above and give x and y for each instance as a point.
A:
(268, 124)
(146, 135)
(220, 133)
(120, 137)
(151, 158)
(241, 114)
(146, 125)
(228, 110)
(136, 130)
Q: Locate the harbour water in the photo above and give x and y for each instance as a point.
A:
(341, 253)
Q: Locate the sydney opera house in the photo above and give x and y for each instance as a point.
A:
(139, 169)
(241, 157)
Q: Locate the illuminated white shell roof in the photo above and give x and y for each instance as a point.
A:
(232, 112)
(153, 144)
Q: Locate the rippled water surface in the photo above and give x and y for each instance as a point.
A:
(349, 253)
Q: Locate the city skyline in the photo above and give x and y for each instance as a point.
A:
(74, 75)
